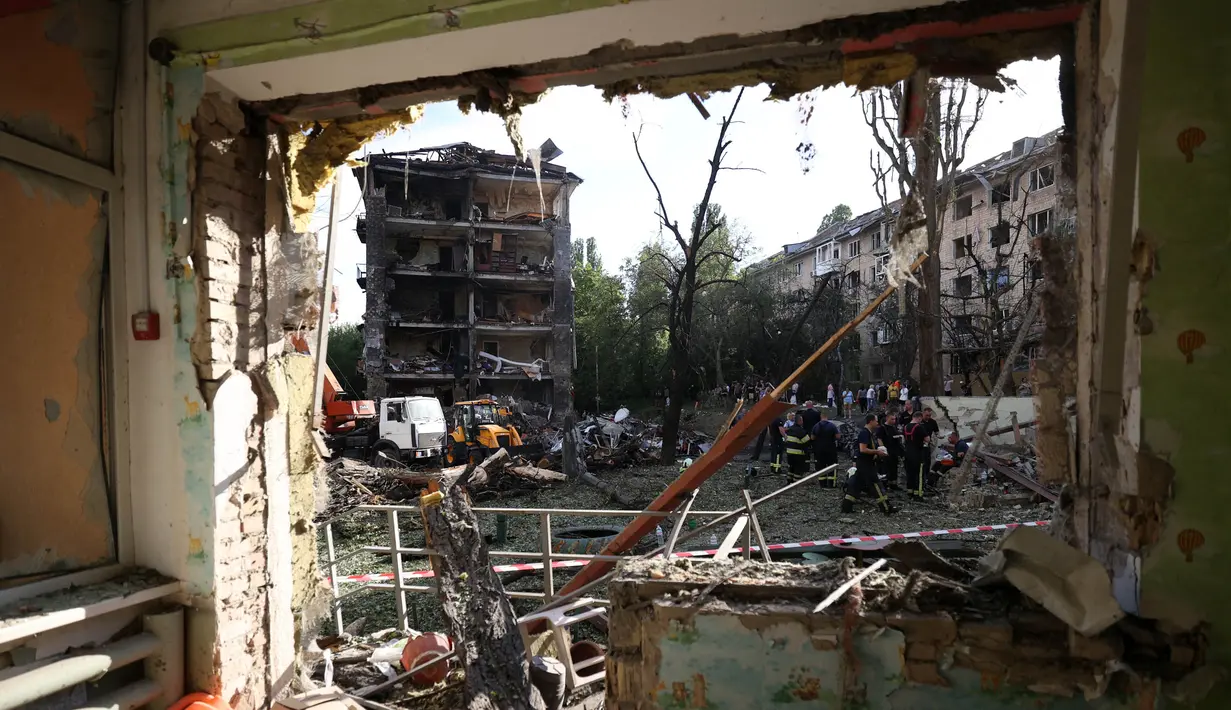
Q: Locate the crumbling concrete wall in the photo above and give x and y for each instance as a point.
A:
(377, 293)
(52, 248)
(679, 640)
(562, 336)
(966, 413)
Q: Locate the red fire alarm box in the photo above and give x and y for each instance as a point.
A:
(145, 326)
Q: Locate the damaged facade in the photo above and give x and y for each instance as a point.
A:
(189, 472)
(989, 265)
(468, 275)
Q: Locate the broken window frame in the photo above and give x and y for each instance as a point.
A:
(853, 249)
(1033, 219)
(1042, 177)
(963, 286)
(1001, 193)
(1003, 228)
(964, 207)
(963, 246)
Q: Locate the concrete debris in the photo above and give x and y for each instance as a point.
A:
(1066, 581)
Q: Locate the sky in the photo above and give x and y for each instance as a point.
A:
(777, 202)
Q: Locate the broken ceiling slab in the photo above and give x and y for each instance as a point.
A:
(1066, 581)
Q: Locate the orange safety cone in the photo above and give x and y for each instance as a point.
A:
(201, 701)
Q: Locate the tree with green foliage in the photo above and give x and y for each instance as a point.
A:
(681, 264)
(600, 318)
(343, 356)
(839, 214)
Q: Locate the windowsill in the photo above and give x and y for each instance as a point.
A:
(62, 601)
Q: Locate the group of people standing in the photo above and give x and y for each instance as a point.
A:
(893, 445)
(883, 395)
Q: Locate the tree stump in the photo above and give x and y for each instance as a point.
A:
(481, 619)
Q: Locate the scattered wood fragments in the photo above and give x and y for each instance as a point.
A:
(480, 617)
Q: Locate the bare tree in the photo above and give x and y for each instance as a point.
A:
(685, 276)
(924, 165)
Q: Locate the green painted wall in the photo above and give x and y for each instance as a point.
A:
(1185, 213)
(332, 25)
(721, 661)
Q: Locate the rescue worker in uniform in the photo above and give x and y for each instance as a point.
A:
(797, 440)
(889, 437)
(865, 479)
(774, 430)
(777, 454)
(825, 448)
(812, 415)
(916, 445)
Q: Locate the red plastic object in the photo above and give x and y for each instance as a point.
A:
(423, 648)
(145, 326)
(201, 701)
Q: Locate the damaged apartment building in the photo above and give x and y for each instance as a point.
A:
(158, 161)
(989, 267)
(467, 278)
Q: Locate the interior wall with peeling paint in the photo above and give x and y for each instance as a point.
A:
(51, 281)
(1185, 264)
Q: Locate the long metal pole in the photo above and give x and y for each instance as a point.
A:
(322, 323)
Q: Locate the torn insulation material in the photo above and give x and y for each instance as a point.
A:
(317, 150)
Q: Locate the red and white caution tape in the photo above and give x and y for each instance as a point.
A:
(837, 541)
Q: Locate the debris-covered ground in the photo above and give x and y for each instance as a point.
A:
(624, 458)
(809, 512)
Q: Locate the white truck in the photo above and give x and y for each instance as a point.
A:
(406, 429)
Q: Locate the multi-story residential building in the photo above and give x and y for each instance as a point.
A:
(467, 277)
(852, 256)
(988, 261)
(988, 266)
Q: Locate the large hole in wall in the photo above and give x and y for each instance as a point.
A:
(434, 305)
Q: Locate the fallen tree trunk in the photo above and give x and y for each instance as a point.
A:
(481, 619)
(482, 474)
(534, 473)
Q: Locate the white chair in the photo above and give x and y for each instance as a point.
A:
(557, 621)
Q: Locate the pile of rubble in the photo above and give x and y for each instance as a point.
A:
(607, 440)
(353, 483)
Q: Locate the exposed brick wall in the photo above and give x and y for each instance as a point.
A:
(247, 266)
(228, 206)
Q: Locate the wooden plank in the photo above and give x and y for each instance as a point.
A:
(756, 526)
(732, 539)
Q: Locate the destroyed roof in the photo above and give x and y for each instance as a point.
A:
(1023, 149)
(839, 231)
(462, 159)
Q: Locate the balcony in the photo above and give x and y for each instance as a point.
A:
(361, 275)
(829, 266)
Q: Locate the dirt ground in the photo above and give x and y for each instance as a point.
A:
(809, 512)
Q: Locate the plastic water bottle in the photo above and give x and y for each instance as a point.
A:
(714, 539)
(658, 535)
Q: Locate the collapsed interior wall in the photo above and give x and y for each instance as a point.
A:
(53, 277)
(683, 632)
